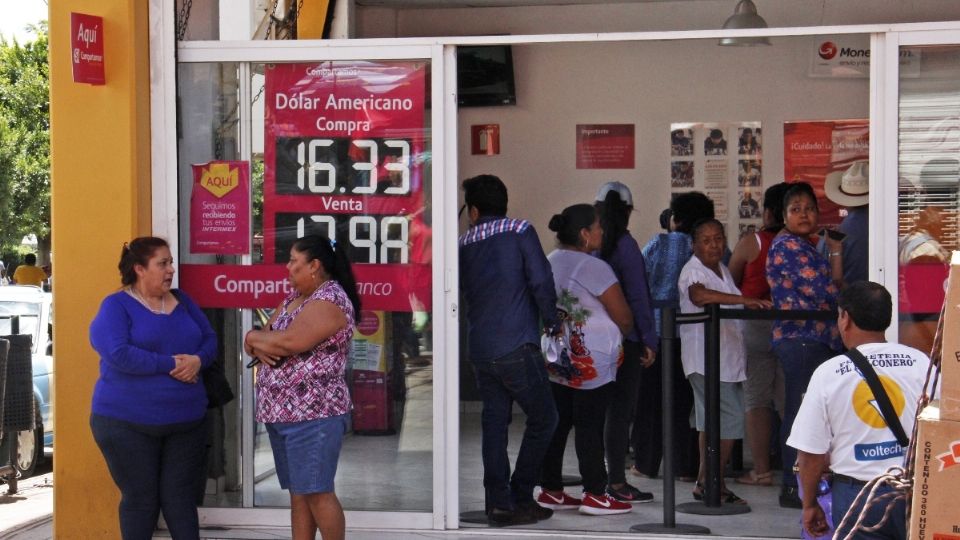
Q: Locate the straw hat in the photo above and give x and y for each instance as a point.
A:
(850, 187)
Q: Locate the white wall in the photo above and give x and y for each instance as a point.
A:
(641, 16)
(651, 85)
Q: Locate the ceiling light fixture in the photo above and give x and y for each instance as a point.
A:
(744, 16)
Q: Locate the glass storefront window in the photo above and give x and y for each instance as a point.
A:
(208, 122)
(929, 169)
(345, 148)
(341, 149)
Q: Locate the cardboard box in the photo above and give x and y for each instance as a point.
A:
(950, 362)
(935, 514)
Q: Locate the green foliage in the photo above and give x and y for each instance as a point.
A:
(256, 181)
(24, 139)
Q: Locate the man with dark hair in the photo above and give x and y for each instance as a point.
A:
(840, 424)
(28, 273)
(508, 288)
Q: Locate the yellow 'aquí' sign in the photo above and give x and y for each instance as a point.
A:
(219, 179)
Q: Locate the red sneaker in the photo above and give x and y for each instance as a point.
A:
(603, 505)
(558, 502)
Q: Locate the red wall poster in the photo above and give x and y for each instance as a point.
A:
(344, 156)
(812, 150)
(605, 146)
(220, 208)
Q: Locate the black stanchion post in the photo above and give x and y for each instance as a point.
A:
(711, 375)
(668, 336)
(667, 342)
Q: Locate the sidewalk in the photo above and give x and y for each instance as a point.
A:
(28, 515)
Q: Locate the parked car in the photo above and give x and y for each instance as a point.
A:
(34, 308)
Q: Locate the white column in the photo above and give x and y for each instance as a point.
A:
(238, 18)
(344, 24)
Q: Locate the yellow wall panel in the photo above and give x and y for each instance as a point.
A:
(312, 18)
(100, 155)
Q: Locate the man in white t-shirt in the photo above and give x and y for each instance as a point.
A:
(839, 423)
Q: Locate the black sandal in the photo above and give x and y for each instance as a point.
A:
(729, 497)
(726, 497)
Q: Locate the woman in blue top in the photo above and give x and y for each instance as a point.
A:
(801, 278)
(149, 404)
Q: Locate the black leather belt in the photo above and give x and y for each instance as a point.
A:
(844, 479)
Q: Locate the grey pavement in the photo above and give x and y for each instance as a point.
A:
(27, 515)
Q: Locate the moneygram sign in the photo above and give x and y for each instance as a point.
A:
(849, 56)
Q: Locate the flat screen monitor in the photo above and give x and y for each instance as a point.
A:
(485, 76)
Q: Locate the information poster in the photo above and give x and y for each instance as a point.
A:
(812, 150)
(724, 161)
(344, 156)
(220, 208)
(605, 146)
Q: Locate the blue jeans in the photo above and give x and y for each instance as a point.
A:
(799, 359)
(521, 377)
(157, 468)
(843, 496)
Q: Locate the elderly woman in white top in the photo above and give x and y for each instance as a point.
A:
(705, 280)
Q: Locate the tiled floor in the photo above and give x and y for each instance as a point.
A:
(394, 472)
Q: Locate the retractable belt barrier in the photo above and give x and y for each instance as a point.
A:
(710, 317)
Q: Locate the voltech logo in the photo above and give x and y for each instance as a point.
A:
(828, 50)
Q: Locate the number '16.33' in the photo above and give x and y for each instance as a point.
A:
(320, 176)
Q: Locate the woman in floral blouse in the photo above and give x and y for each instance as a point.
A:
(801, 278)
(302, 396)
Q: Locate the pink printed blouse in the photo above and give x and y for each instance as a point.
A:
(311, 384)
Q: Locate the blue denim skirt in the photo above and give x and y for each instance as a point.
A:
(306, 453)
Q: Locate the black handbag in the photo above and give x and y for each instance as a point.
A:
(883, 401)
(215, 382)
(214, 377)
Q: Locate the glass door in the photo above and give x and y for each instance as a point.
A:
(346, 153)
(928, 176)
(339, 143)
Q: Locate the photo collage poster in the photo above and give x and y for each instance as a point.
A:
(724, 160)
